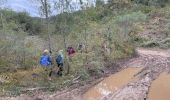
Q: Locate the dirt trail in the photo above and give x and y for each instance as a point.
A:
(153, 52)
(152, 61)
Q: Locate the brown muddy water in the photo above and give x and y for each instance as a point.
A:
(111, 84)
(160, 88)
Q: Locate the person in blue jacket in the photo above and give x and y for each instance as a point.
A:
(45, 59)
(46, 63)
(60, 62)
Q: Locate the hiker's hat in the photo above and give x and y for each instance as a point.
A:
(60, 51)
(46, 51)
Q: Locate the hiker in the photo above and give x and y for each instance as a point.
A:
(45, 59)
(80, 47)
(70, 51)
(105, 47)
(46, 63)
(60, 62)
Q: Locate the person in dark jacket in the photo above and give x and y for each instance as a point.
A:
(81, 47)
(60, 62)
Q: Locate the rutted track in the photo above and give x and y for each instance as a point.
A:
(154, 62)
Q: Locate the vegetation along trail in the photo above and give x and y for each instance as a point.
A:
(138, 81)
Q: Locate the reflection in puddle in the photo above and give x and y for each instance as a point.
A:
(160, 88)
(111, 84)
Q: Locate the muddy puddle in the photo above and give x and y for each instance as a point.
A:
(160, 88)
(111, 84)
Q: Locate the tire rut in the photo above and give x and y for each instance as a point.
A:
(154, 65)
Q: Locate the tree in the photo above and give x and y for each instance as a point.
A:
(1, 16)
(84, 6)
(64, 8)
(161, 3)
(118, 4)
(65, 19)
(99, 3)
(45, 11)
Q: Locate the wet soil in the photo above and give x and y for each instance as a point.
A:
(160, 88)
(154, 62)
(111, 84)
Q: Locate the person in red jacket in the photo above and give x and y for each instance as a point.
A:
(70, 51)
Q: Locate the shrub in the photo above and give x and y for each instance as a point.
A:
(161, 3)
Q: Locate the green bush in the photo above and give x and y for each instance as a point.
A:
(161, 3)
(131, 18)
(21, 21)
(151, 44)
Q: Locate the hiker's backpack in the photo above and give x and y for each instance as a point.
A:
(59, 59)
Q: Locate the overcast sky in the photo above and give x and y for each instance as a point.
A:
(22, 5)
(26, 5)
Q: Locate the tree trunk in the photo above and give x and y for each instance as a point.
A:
(85, 30)
(47, 24)
(3, 26)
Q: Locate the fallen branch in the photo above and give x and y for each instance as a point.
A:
(76, 78)
(33, 89)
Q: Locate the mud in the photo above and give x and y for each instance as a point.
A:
(160, 88)
(154, 64)
(111, 84)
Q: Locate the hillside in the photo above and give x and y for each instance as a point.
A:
(109, 32)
